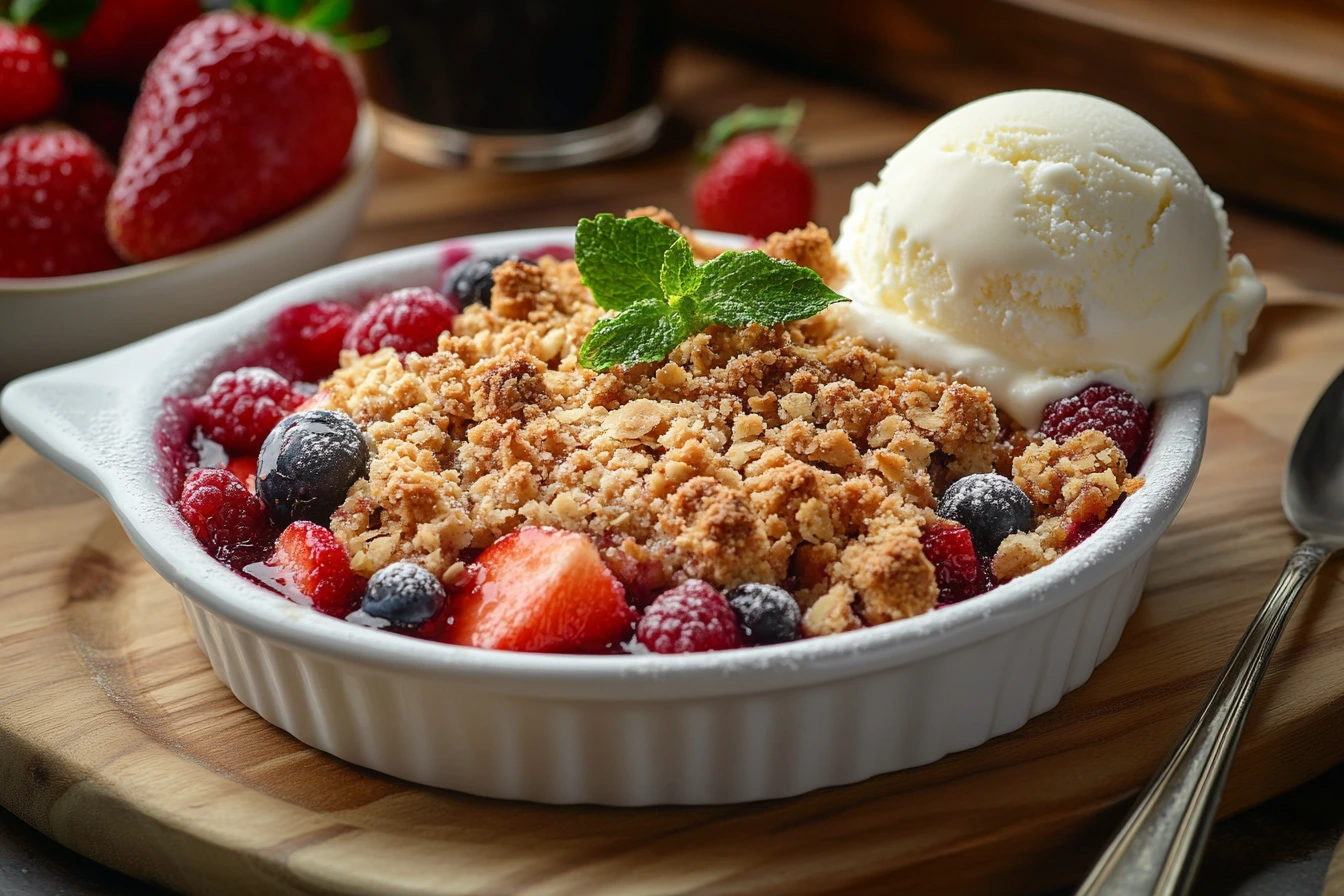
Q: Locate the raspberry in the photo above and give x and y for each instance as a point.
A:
(690, 618)
(951, 550)
(309, 337)
(408, 320)
(1103, 407)
(227, 519)
(242, 406)
(310, 564)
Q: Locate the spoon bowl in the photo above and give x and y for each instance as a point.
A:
(1313, 487)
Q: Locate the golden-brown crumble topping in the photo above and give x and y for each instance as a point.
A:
(810, 247)
(1071, 485)
(793, 455)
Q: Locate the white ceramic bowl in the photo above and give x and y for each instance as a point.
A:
(722, 727)
(57, 319)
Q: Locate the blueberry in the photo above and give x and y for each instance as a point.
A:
(471, 280)
(767, 614)
(991, 506)
(308, 463)
(403, 594)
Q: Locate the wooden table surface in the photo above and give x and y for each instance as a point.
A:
(1282, 847)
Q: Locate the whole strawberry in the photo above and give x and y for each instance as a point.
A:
(239, 119)
(53, 185)
(122, 37)
(30, 80)
(753, 184)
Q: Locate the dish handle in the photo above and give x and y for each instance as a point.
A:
(88, 416)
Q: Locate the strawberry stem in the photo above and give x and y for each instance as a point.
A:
(783, 120)
(322, 17)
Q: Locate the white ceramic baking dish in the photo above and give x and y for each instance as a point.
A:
(721, 727)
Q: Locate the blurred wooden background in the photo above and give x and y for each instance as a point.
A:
(1251, 90)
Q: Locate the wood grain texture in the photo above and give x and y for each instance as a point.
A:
(117, 739)
(1252, 91)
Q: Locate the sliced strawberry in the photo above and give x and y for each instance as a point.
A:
(310, 565)
(543, 590)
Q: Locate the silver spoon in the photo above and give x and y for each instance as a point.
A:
(1159, 846)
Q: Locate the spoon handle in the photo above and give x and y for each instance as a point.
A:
(1159, 847)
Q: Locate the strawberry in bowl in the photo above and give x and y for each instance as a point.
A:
(216, 192)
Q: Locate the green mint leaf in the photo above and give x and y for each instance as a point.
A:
(645, 331)
(680, 275)
(621, 259)
(739, 288)
(60, 19)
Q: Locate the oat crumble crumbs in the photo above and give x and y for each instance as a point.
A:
(793, 455)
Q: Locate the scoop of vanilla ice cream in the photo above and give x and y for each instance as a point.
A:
(1037, 241)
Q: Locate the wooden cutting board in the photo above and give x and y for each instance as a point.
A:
(117, 740)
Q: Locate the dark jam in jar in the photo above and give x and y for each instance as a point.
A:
(515, 66)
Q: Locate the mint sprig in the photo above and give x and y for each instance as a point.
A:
(647, 273)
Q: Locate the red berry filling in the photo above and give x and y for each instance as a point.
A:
(309, 564)
(309, 338)
(243, 406)
(226, 518)
(690, 618)
(956, 566)
(1080, 532)
(1103, 407)
(408, 320)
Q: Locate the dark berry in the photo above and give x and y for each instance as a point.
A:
(308, 463)
(404, 594)
(1107, 408)
(408, 320)
(956, 566)
(469, 282)
(242, 406)
(991, 506)
(310, 336)
(310, 566)
(227, 519)
(689, 618)
(767, 614)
